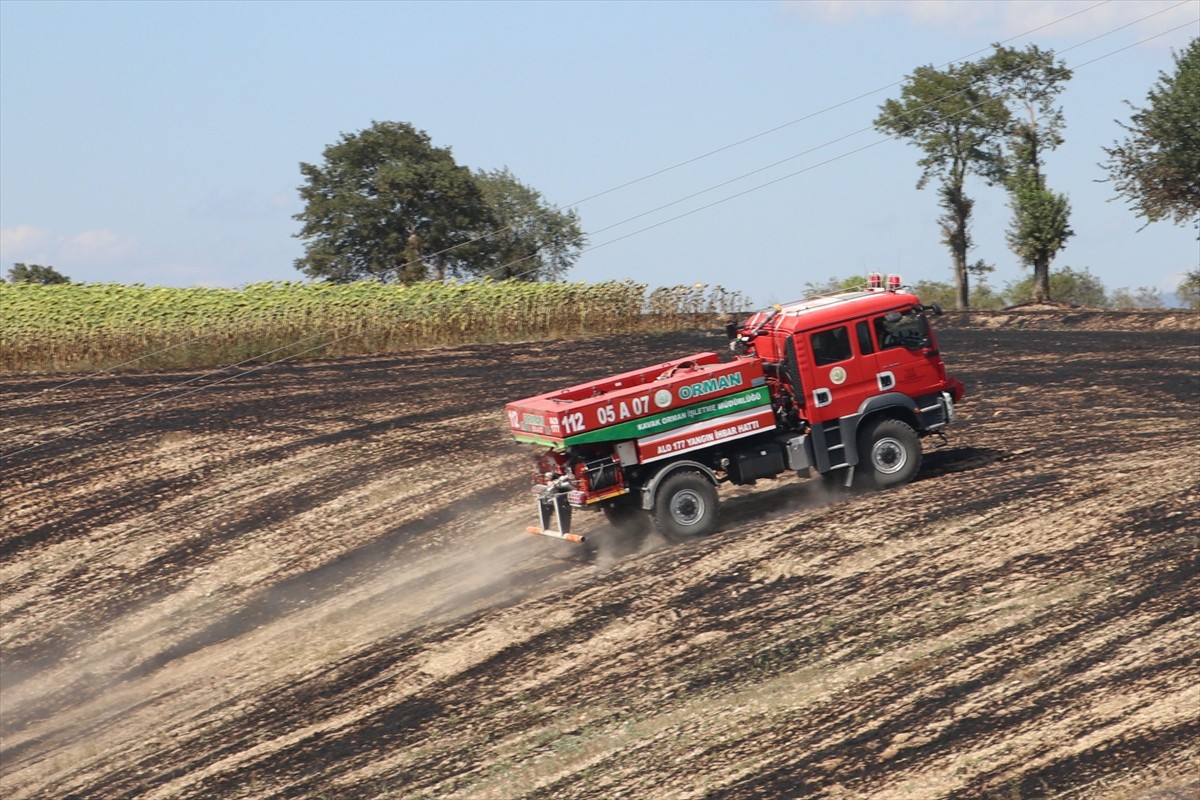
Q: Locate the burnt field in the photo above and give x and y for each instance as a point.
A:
(313, 582)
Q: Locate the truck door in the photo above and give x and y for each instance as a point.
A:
(840, 383)
(906, 359)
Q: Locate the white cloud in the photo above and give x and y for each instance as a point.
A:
(23, 243)
(96, 246)
(30, 245)
(1000, 19)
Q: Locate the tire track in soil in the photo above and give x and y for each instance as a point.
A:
(366, 623)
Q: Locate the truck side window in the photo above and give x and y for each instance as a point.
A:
(831, 346)
(898, 330)
(865, 345)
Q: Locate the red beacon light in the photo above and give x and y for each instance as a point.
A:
(875, 280)
(893, 282)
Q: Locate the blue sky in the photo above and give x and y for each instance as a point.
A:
(160, 142)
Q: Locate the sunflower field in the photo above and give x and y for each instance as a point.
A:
(100, 326)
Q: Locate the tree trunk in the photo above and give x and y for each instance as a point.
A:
(413, 270)
(962, 281)
(1041, 280)
(956, 234)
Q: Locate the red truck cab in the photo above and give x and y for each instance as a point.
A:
(839, 357)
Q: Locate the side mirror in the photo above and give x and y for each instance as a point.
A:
(936, 308)
(731, 329)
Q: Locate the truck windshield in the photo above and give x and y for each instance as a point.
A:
(906, 329)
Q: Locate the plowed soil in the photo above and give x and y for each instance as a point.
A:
(312, 582)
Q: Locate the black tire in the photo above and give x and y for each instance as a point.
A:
(889, 454)
(627, 515)
(685, 506)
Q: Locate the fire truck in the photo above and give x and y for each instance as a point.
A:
(843, 386)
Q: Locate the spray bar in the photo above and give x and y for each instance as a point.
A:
(570, 537)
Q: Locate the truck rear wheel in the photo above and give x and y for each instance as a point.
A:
(685, 506)
(889, 453)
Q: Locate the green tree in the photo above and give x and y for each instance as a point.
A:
(1077, 287)
(1189, 290)
(530, 240)
(983, 296)
(956, 119)
(1148, 297)
(388, 205)
(35, 273)
(1039, 227)
(940, 292)
(834, 284)
(1125, 299)
(1156, 168)
(1030, 81)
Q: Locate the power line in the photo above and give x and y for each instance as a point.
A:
(850, 152)
(832, 142)
(767, 132)
(825, 110)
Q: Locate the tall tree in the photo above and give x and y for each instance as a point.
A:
(386, 204)
(531, 240)
(1030, 81)
(954, 117)
(1039, 228)
(1157, 167)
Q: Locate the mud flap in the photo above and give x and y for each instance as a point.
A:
(554, 514)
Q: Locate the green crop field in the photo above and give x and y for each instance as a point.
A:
(89, 326)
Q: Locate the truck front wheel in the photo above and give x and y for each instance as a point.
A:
(889, 453)
(685, 506)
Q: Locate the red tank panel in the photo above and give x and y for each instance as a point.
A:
(635, 404)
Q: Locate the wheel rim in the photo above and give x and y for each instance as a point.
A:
(888, 456)
(687, 507)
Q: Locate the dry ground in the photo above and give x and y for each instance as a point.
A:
(311, 582)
